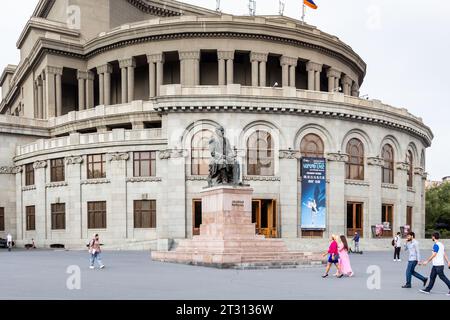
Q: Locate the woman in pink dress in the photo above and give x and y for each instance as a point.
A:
(344, 260)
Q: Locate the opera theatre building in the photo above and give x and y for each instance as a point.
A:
(106, 122)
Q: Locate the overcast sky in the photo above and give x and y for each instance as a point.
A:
(405, 43)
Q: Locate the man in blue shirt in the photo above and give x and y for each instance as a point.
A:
(438, 258)
(356, 240)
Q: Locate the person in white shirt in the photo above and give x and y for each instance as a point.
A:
(438, 258)
(397, 246)
(9, 241)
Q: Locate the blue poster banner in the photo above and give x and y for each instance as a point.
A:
(313, 200)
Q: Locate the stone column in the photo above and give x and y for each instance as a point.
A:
(156, 73)
(104, 72)
(226, 67)
(347, 84)
(336, 198)
(159, 74)
(255, 73)
(40, 97)
(259, 62)
(81, 76)
(289, 161)
(101, 88)
(124, 80)
(332, 75)
(402, 195)
(314, 70)
(44, 94)
(90, 89)
(288, 65)
(54, 93)
(373, 214)
(118, 169)
(355, 89)
(191, 67)
(130, 81)
(58, 84)
(19, 205)
(222, 71)
(43, 221)
(262, 72)
(420, 216)
(74, 209)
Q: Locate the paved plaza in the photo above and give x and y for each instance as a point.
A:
(132, 275)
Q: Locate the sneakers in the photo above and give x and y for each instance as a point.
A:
(91, 267)
(406, 286)
(395, 260)
(425, 282)
(325, 275)
(102, 266)
(424, 291)
(399, 260)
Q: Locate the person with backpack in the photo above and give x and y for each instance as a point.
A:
(94, 251)
(397, 244)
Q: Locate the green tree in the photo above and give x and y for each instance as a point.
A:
(437, 205)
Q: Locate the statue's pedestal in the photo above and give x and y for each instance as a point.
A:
(227, 236)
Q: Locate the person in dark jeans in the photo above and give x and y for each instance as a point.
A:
(397, 247)
(412, 246)
(438, 258)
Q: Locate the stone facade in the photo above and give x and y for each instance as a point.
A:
(156, 81)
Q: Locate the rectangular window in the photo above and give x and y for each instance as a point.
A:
(96, 166)
(145, 214)
(144, 164)
(97, 215)
(30, 212)
(387, 219)
(2, 219)
(409, 217)
(58, 216)
(57, 170)
(29, 174)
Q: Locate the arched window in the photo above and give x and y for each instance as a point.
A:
(355, 164)
(312, 146)
(260, 159)
(410, 161)
(200, 153)
(388, 169)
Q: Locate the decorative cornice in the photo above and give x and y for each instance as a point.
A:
(258, 56)
(6, 170)
(29, 188)
(96, 181)
(375, 161)
(56, 184)
(225, 55)
(357, 183)
(419, 171)
(154, 10)
(118, 156)
(313, 66)
(106, 68)
(290, 154)
(290, 61)
(389, 186)
(402, 166)
(17, 169)
(74, 160)
(261, 178)
(82, 75)
(338, 157)
(196, 178)
(144, 179)
(171, 153)
(40, 164)
(127, 63)
(155, 57)
(189, 55)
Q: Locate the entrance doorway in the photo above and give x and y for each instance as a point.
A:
(196, 217)
(354, 218)
(264, 215)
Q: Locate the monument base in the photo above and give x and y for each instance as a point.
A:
(227, 237)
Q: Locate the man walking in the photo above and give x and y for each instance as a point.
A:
(412, 246)
(9, 241)
(94, 250)
(397, 247)
(438, 258)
